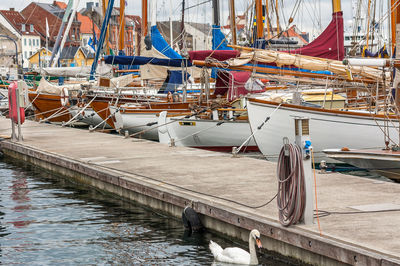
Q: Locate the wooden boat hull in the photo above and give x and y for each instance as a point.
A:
(205, 134)
(382, 162)
(328, 128)
(47, 105)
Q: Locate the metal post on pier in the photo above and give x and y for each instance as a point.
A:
(19, 114)
(302, 139)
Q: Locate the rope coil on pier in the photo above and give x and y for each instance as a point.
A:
(291, 189)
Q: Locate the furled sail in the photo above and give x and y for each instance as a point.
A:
(330, 44)
(304, 62)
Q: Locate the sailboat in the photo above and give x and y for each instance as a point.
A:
(328, 128)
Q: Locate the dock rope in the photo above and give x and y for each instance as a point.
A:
(291, 188)
(257, 129)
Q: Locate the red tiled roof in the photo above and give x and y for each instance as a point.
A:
(86, 22)
(291, 32)
(16, 20)
(238, 26)
(87, 25)
(61, 5)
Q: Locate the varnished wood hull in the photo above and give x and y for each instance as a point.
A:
(47, 105)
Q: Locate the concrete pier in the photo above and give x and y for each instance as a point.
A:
(223, 191)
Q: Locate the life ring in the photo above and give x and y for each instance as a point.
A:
(64, 97)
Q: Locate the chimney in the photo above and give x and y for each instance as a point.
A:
(12, 9)
(89, 5)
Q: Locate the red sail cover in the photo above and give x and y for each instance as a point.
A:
(232, 84)
(220, 55)
(330, 44)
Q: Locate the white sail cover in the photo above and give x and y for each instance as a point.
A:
(77, 72)
(49, 88)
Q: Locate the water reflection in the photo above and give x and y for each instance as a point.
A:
(48, 220)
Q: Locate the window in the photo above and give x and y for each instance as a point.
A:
(25, 42)
(23, 27)
(82, 62)
(30, 53)
(30, 42)
(26, 55)
(31, 28)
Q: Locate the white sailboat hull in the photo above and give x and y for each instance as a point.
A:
(88, 116)
(138, 122)
(327, 129)
(205, 134)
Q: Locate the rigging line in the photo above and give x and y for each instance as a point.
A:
(199, 4)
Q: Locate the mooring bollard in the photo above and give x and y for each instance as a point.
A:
(172, 142)
(234, 152)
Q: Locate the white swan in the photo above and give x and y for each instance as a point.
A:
(238, 255)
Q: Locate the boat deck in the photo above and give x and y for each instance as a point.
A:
(215, 183)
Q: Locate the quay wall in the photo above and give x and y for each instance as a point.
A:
(292, 242)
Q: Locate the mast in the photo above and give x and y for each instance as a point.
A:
(336, 6)
(66, 33)
(277, 17)
(395, 14)
(61, 31)
(396, 44)
(215, 5)
(259, 19)
(233, 21)
(182, 25)
(144, 18)
(105, 5)
(101, 38)
(171, 36)
(121, 40)
(267, 19)
(367, 28)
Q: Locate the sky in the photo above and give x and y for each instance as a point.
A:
(313, 15)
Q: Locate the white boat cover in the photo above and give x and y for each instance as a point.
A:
(103, 70)
(48, 88)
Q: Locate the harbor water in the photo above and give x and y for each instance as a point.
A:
(48, 220)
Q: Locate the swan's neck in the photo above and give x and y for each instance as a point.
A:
(252, 249)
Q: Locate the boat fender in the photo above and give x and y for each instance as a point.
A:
(323, 166)
(170, 98)
(191, 220)
(12, 104)
(64, 97)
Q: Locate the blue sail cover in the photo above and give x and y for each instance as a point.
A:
(219, 40)
(142, 60)
(161, 45)
(173, 80)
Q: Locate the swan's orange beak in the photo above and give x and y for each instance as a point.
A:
(258, 241)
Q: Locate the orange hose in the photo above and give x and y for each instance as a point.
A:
(315, 189)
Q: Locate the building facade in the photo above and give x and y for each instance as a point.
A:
(26, 34)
